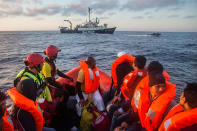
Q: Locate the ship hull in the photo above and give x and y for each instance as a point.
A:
(99, 31)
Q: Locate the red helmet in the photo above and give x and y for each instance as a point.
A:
(33, 60)
(51, 51)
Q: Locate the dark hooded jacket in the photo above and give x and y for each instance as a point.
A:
(24, 119)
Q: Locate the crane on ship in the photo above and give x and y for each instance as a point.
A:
(69, 23)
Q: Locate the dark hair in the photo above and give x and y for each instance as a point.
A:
(140, 61)
(155, 66)
(156, 78)
(28, 88)
(190, 93)
(58, 93)
(2, 96)
(90, 59)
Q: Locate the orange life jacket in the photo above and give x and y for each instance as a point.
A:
(27, 105)
(92, 78)
(150, 113)
(7, 122)
(138, 90)
(118, 61)
(178, 119)
(130, 82)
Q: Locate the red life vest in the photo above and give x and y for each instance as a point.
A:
(130, 82)
(27, 105)
(138, 90)
(7, 122)
(178, 119)
(118, 61)
(150, 113)
(92, 78)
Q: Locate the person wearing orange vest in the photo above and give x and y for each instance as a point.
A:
(153, 96)
(88, 83)
(130, 81)
(6, 123)
(49, 69)
(183, 117)
(119, 69)
(152, 90)
(25, 109)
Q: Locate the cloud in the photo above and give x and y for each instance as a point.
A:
(98, 6)
(138, 5)
(47, 10)
(173, 16)
(138, 17)
(190, 17)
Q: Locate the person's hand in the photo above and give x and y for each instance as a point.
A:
(115, 100)
(116, 113)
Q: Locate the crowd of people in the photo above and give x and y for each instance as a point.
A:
(140, 98)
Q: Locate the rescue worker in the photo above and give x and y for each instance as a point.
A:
(184, 115)
(25, 109)
(88, 83)
(34, 64)
(6, 123)
(152, 96)
(49, 69)
(119, 69)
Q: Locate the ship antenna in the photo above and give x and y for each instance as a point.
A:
(89, 9)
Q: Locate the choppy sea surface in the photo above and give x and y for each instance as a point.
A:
(177, 51)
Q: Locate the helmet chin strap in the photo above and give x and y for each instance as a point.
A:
(38, 69)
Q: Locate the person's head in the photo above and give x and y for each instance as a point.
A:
(155, 66)
(139, 62)
(156, 84)
(34, 61)
(59, 95)
(91, 62)
(188, 98)
(51, 52)
(28, 88)
(3, 98)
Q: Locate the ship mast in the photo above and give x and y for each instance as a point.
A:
(89, 9)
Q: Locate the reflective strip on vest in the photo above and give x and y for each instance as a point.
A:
(125, 81)
(167, 124)
(151, 113)
(97, 73)
(137, 98)
(130, 74)
(40, 110)
(35, 78)
(91, 74)
(9, 119)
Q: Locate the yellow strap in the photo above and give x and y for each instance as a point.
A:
(89, 101)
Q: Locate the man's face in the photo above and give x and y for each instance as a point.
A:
(156, 90)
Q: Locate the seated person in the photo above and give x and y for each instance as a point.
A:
(119, 69)
(6, 124)
(63, 118)
(129, 84)
(184, 115)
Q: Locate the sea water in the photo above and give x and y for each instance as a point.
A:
(176, 51)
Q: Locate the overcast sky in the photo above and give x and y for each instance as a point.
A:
(133, 15)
